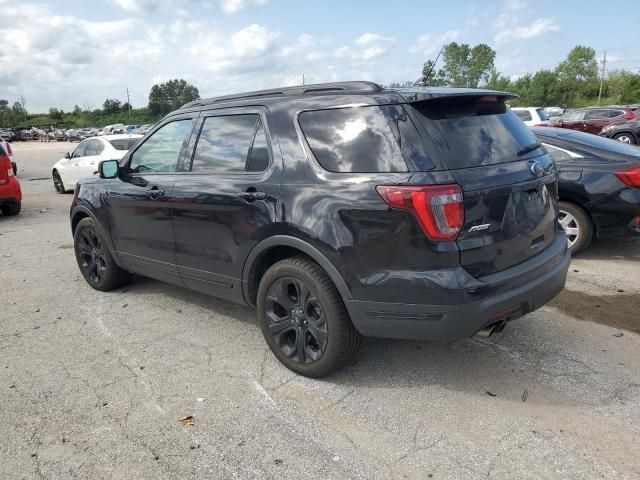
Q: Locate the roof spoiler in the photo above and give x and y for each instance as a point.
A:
(412, 95)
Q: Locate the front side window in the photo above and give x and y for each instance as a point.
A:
(573, 116)
(226, 145)
(357, 139)
(161, 151)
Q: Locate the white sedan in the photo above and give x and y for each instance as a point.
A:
(84, 160)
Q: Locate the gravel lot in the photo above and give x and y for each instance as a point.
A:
(93, 384)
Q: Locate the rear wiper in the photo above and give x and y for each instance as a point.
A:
(528, 148)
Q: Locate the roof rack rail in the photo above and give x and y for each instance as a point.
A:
(335, 87)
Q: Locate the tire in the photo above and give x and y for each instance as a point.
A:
(14, 166)
(12, 208)
(625, 138)
(58, 184)
(94, 260)
(314, 337)
(577, 225)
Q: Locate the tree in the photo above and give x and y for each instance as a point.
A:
(577, 70)
(435, 77)
(170, 96)
(77, 110)
(55, 114)
(543, 89)
(111, 105)
(497, 81)
(625, 85)
(125, 107)
(465, 66)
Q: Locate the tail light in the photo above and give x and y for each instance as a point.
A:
(9, 149)
(630, 115)
(630, 177)
(541, 125)
(438, 208)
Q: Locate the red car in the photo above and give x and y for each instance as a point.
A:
(10, 193)
(593, 120)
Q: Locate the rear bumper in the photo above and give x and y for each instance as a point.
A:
(10, 192)
(505, 295)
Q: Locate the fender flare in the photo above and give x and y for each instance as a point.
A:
(86, 211)
(304, 247)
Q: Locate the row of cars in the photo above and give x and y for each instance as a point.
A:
(55, 133)
(621, 123)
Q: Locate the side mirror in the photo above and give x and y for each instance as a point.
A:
(67, 155)
(108, 168)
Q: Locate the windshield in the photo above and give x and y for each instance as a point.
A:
(123, 143)
(603, 143)
(470, 132)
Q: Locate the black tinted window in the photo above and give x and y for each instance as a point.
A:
(224, 143)
(161, 151)
(352, 140)
(469, 132)
(258, 160)
(597, 114)
(615, 113)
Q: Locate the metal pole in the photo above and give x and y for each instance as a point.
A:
(604, 63)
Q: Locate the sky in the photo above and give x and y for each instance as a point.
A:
(77, 52)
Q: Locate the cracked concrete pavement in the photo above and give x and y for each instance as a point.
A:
(93, 384)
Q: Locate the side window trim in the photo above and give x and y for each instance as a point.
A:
(262, 120)
(126, 161)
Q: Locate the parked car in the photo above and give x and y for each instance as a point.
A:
(143, 129)
(83, 161)
(532, 116)
(7, 135)
(330, 209)
(10, 192)
(6, 147)
(593, 120)
(627, 132)
(109, 129)
(599, 185)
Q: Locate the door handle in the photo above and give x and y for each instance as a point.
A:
(154, 193)
(251, 196)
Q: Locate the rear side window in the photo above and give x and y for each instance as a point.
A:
(573, 116)
(616, 113)
(542, 114)
(597, 114)
(226, 145)
(524, 115)
(80, 149)
(357, 139)
(471, 131)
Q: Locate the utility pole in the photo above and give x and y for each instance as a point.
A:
(129, 102)
(24, 110)
(303, 79)
(604, 64)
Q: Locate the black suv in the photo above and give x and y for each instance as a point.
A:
(338, 210)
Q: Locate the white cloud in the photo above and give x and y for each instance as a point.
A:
(149, 6)
(508, 25)
(374, 45)
(430, 44)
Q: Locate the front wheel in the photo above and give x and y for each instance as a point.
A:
(57, 182)
(304, 320)
(625, 138)
(577, 226)
(96, 263)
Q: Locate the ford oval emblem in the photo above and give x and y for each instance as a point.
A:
(537, 169)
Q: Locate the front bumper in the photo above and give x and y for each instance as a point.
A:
(505, 295)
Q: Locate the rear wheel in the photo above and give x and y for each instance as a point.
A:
(96, 263)
(57, 182)
(12, 208)
(304, 320)
(625, 138)
(577, 226)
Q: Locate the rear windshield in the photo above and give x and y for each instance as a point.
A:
(471, 132)
(123, 143)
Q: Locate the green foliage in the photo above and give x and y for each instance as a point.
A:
(573, 83)
(111, 106)
(170, 96)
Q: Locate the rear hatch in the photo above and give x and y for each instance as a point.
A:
(509, 182)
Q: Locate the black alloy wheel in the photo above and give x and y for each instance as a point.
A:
(296, 320)
(303, 318)
(91, 257)
(57, 182)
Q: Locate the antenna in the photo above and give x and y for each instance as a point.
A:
(423, 81)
